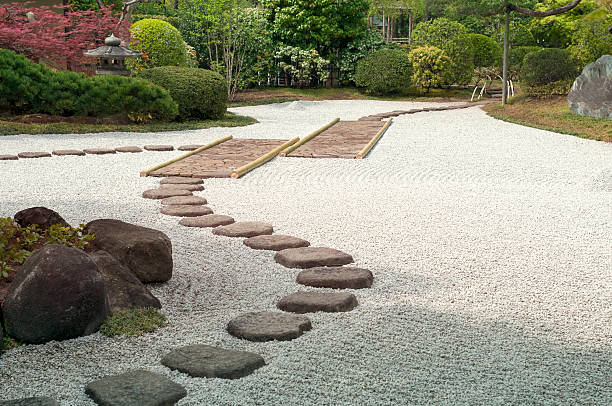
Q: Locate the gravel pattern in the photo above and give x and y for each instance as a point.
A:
(489, 243)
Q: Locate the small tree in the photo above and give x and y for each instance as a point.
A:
(302, 66)
(431, 67)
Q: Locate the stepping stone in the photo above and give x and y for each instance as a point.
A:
(178, 180)
(99, 151)
(244, 229)
(159, 147)
(36, 401)
(33, 154)
(310, 257)
(128, 149)
(183, 200)
(310, 302)
(268, 326)
(221, 173)
(163, 193)
(204, 361)
(139, 387)
(65, 152)
(189, 147)
(211, 220)
(8, 157)
(186, 210)
(336, 278)
(184, 186)
(275, 242)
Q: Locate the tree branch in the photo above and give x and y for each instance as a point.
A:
(534, 13)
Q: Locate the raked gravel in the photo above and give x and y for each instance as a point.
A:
(490, 244)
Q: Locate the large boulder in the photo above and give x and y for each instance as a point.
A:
(124, 290)
(57, 294)
(40, 216)
(591, 93)
(144, 251)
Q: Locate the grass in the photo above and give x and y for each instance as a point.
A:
(13, 128)
(133, 322)
(552, 115)
(8, 343)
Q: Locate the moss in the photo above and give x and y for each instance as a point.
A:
(133, 322)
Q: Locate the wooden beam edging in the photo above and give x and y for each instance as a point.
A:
(308, 138)
(373, 141)
(180, 158)
(261, 160)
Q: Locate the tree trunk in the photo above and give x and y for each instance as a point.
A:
(505, 69)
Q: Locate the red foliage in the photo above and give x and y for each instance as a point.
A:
(58, 37)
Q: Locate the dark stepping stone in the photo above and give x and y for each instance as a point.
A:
(183, 200)
(184, 186)
(310, 302)
(189, 147)
(204, 361)
(140, 387)
(268, 326)
(211, 220)
(33, 154)
(179, 180)
(8, 157)
(37, 401)
(65, 152)
(244, 229)
(186, 210)
(164, 193)
(99, 151)
(128, 149)
(336, 278)
(159, 147)
(275, 242)
(310, 257)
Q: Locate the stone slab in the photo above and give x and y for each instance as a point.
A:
(186, 210)
(164, 193)
(336, 278)
(65, 152)
(191, 147)
(183, 200)
(184, 186)
(310, 257)
(244, 229)
(99, 151)
(33, 155)
(205, 361)
(34, 401)
(178, 180)
(131, 149)
(159, 147)
(310, 302)
(269, 326)
(211, 220)
(8, 157)
(275, 242)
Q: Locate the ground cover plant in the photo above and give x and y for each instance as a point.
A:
(133, 322)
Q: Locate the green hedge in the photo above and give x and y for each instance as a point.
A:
(516, 56)
(384, 71)
(199, 93)
(175, 21)
(487, 51)
(161, 43)
(548, 65)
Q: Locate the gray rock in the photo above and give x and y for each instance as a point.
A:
(37, 401)
(336, 278)
(211, 220)
(57, 294)
(591, 93)
(310, 257)
(275, 242)
(159, 147)
(183, 200)
(1, 336)
(186, 210)
(183, 186)
(131, 149)
(204, 361)
(180, 180)
(40, 216)
(164, 193)
(268, 326)
(135, 388)
(310, 302)
(244, 229)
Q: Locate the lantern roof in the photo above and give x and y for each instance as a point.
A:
(112, 49)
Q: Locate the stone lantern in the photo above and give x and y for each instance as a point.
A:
(111, 57)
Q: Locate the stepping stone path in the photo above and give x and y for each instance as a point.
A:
(268, 326)
(186, 210)
(204, 361)
(99, 151)
(36, 401)
(33, 154)
(310, 257)
(128, 149)
(211, 220)
(244, 229)
(184, 186)
(65, 152)
(189, 147)
(163, 193)
(159, 147)
(275, 242)
(183, 200)
(8, 157)
(310, 302)
(336, 278)
(177, 180)
(139, 387)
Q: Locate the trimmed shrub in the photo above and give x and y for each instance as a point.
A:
(356, 50)
(175, 21)
(384, 71)
(517, 56)
(548, 65)
(199, 93)
(560, 87)
(432, 67)
(161, 43)
(487, 51)
(437, 32)
(461, 53)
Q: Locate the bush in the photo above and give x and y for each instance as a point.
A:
(591, 41)
(437, 33)
(384, 71)
(516, 57)
(432, 67)
(487, 51)
(161, 44)
(199, 93)
(305, 67)
(548, 65)
(560, 87)
(461, 53)
(133, 322)
(355, 51)
(175, 21)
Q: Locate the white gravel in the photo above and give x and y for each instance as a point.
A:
(490, 244)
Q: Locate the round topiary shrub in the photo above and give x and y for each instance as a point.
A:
(160, 42)
(199, 93)
(548, 65)
(487, 51)
(516, 57)
(384, 71)
(432, 67)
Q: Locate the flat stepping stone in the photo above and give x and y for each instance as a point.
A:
(310, 302)
(268, 326)
(336, 278)
(183, 200)
(159, 147)
(191, 147)
(310, 257)
(8, 157)
(221, 173)
(204, 361)
(179, 180)
(211, 220)
(33, 154)
(184, 186)
(34, 401)
(244, 229)
(66, 152)
(275, 242)
(164, 193)
(99, 151)
(186, 210)
(139, 387)
(132, 149)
